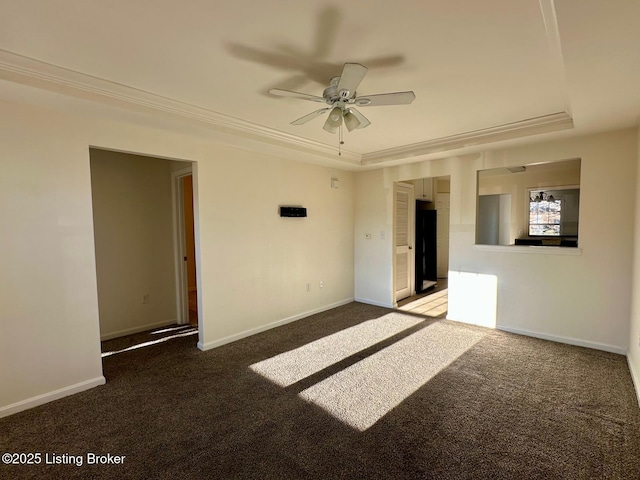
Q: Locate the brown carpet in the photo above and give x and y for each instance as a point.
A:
(424, 399)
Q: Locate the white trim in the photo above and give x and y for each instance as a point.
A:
(51, 396)
(132, 330)
(247, 333)
(536, 249)
(568, 340)
(634, 378)
(524, 128)
(375, 302)
(183, 172)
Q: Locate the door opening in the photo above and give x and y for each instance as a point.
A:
(190, 249)
(429, 232)
(186, 251)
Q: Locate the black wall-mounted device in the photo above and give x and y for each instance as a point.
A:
(293, 212)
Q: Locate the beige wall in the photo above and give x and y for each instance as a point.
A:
(255, 265)
(583, 299)
(633, 352)
(133, 227)
(49, 333)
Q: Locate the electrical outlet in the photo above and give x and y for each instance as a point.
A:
(308, 287)
(321, 284)
(381, 234)
(145, 298)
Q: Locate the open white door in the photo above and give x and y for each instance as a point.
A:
(403, 233)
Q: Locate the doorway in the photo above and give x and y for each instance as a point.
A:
(133, 203)
(186, 246)
(429, 233)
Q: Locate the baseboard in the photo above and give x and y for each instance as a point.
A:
(634, 378)
(51, 396)
(568, 340)
(141, 328)
(374, 302)
(269, 326)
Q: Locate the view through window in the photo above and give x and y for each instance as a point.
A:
(544, 215)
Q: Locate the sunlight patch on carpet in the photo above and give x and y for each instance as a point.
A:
(292, 366)
(149, 343)
(172, 329)
(363, 393)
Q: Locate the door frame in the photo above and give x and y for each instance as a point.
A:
(441, 224)
(179, 244)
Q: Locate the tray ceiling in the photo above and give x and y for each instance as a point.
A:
(481, 71)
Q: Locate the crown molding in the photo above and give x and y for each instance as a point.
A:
(34, 73)
(31, 72)
(510, 131)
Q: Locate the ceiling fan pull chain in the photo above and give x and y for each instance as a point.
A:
(340, 141)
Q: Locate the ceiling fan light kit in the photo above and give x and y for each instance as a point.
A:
(341, 97)
(334, 121)
(351, 121)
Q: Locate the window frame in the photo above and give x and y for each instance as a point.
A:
(546, 189)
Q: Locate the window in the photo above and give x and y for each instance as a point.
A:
(545, 214)
(554, 212)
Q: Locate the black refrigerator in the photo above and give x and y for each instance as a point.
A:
(426, 246)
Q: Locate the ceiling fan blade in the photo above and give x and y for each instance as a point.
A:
(310, 116)
(304, 96)
(352, 75)
(364, 121)
(397, 98)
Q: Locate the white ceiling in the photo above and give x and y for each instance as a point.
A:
(481, 70)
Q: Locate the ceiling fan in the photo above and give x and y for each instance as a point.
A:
(341, 97)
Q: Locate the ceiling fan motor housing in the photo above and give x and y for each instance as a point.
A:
(330, 94)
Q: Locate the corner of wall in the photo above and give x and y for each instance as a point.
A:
(633, 352)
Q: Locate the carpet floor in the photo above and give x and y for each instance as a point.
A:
(357, 392)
